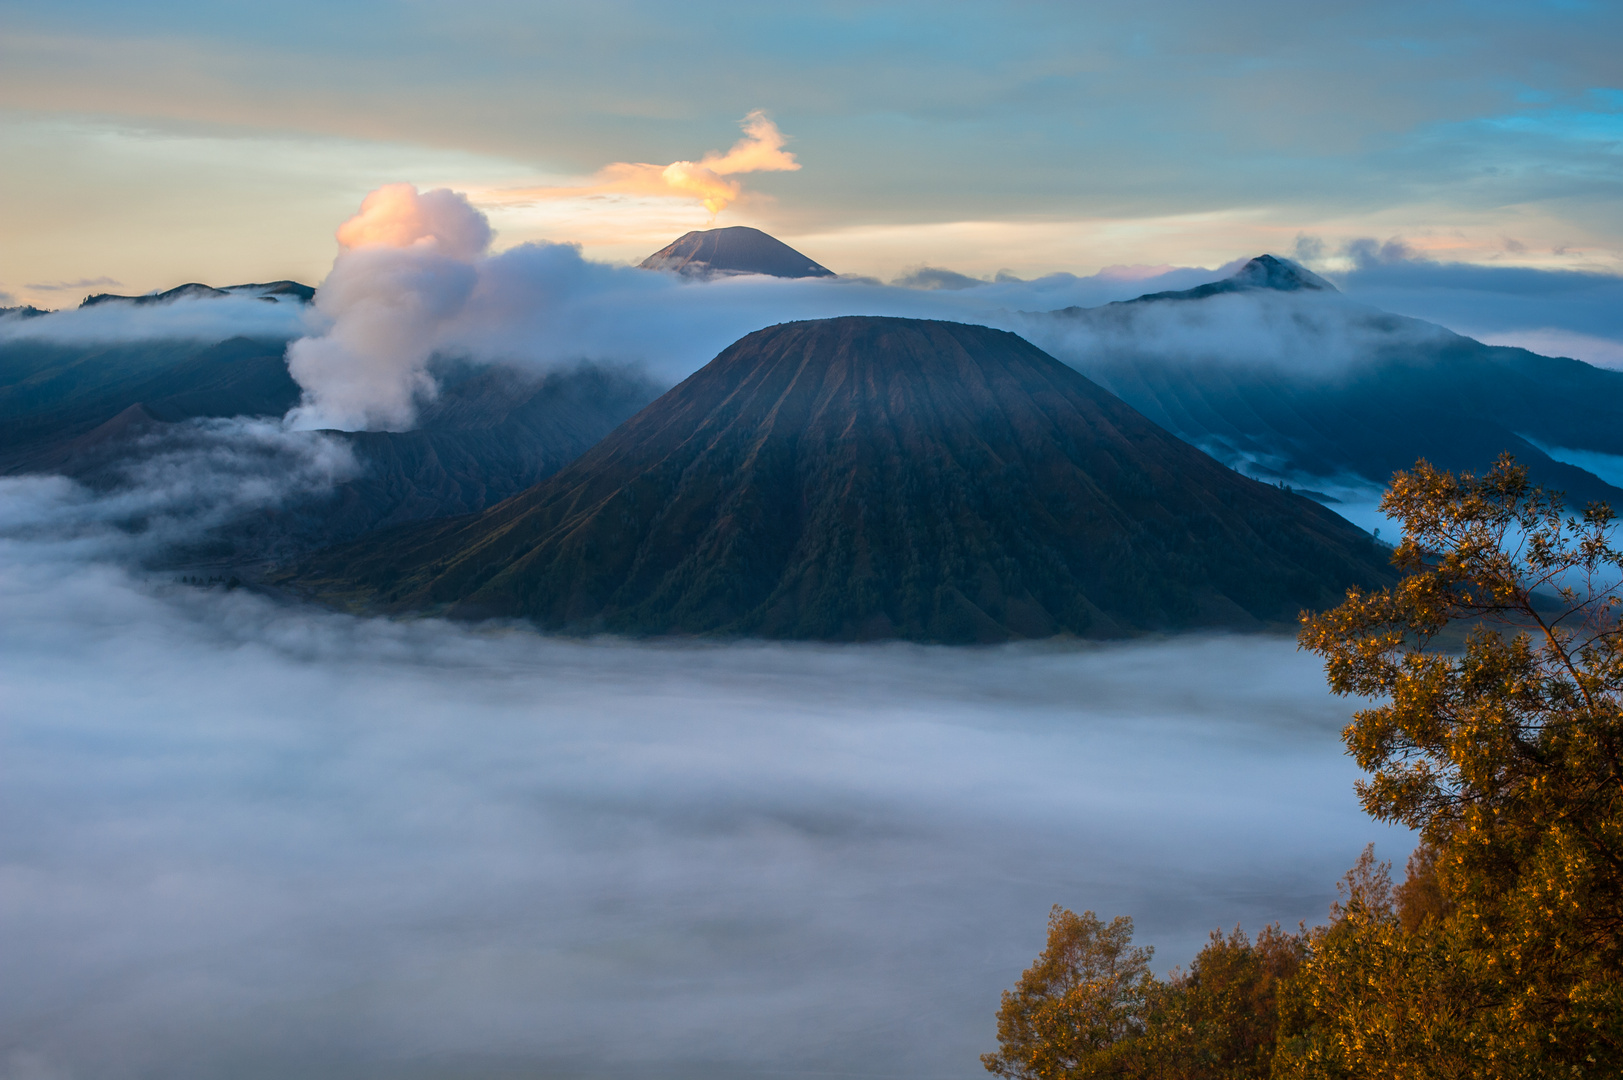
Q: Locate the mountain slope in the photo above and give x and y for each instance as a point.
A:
(1287, 379)
(493, 432)
(195, 290)
(51, 394)
(93, 412)
(861, 478)
(735, 250)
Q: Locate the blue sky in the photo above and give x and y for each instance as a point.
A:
(159, 142)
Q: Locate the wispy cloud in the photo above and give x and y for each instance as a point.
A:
(1577, 313)
(212, 319)
(72, 286)
(710, 180)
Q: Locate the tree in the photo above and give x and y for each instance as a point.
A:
(1505, 749)
(1496, 670)
(1375, 1000)
(1421, 899)
(1079, 1009)
(1089, 1007)
(1220, 1020)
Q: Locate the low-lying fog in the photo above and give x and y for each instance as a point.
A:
(250, 839)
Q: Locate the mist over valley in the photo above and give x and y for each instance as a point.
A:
(263, 837)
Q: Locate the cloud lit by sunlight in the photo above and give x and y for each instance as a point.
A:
(406, 264)
(709, 180)
(397, 216)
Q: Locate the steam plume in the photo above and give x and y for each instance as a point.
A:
(398, 216)
(405, 266)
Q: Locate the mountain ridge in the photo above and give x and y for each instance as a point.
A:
(196, 290)
(1368, 392)
(492, 430)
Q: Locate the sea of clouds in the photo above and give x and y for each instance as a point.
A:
(253, 838)
(1576, 313)
(189, 319)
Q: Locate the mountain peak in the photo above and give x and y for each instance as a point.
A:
(1272, 272)
(870, 477)
(736, 249)
(1268, 272)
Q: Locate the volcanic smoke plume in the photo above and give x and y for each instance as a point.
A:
(405, 266)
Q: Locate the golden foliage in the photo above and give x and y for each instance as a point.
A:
(1079, 1007)
(1220, 1020)
(1507, 755)
(1501, 954)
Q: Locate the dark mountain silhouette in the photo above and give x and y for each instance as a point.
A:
(1369, 392)
(735, 250)
(493, 432)
(862, 478)
(50, 393)
(296, 290)
(194, 290)
(1263, 272)
(89, 412)
(107, 441)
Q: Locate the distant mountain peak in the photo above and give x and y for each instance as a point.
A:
(1272, 272)
(1268, 272)
(736, 249)
(192, 290)
(196, 290)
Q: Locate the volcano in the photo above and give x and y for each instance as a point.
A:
(862, 478)
(1279, 374)
(1263, 272)
(739, 249)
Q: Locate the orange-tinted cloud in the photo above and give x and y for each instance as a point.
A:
(407, 262)
(398, 216)
(709, 180)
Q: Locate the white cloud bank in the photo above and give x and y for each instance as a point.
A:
(1305, 336)
(262, 840)
(212, 319)
(414, 279)
(179, 487)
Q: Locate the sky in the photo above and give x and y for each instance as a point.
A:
(146, 145)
